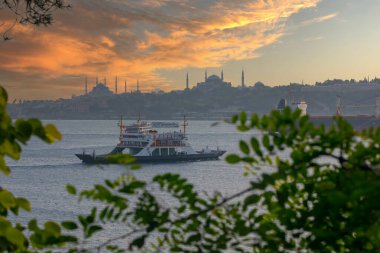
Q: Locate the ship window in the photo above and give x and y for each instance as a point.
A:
(155, 152)
(134, 151)
(171, 151)
(164, 151)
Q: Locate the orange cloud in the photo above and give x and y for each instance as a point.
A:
(135, 39)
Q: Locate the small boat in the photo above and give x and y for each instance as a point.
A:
(162, 124)
(147, 145)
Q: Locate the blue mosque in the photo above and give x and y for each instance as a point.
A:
(101, 89)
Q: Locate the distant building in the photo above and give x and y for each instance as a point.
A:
(100, 90)
(213, 82)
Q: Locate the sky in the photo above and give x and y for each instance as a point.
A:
(158, 41)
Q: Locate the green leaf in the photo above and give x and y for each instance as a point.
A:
(256, 146)
(23, 203)
(3, 167)
(53, 228)
(69, 225)
(3, 96)
(193, 238)
(181, 209)
(68, 239)
(243, 117)
(244, 147)
(121, 159)
(52, 132)
(233, 159)
(250, 200)
(11, 149)
(93, 229)
(138, 242)
(71, 189)
(266, 142)
(7, 200)
(234, 119)
(254, 120)
(32, 225)
(24, 130)
(15, 236)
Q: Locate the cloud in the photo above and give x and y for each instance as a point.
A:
(135, 39)
(319, 19)
(313, 39)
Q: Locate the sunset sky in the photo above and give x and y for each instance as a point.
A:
(158, 41)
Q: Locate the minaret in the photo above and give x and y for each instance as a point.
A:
(116, 85)
(85, 86)
(206, 76)
(187, 81)
(105, 81)
(97, 81)
(125, 86)
(242, 79)
(137, 87)
(222, 76)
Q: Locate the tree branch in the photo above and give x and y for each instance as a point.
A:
(109, 241)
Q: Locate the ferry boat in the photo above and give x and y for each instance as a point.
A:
(147, 145)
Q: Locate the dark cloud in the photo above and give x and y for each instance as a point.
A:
(134, 39)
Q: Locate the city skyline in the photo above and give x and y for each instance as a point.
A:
(158, 42)
(90, 82)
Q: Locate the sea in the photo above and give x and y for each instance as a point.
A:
(44, 170)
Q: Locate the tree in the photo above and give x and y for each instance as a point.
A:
(13, 134)
(319, 192)
(35, 12)
(319, 195)
(312, 190)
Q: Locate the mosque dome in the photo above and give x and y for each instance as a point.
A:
(213, 78)
(100, 89)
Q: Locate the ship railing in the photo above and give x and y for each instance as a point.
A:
(132, 145)
(137, 137)
(169, 136)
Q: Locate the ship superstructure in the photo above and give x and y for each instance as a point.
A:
(146, 144)
(162, 124)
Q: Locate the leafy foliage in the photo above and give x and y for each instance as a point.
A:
(13, 134)
(35, 12)
(313, 189)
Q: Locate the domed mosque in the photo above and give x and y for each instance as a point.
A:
(213, 81)
(100, 90)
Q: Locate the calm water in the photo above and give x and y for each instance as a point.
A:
(44, 170)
